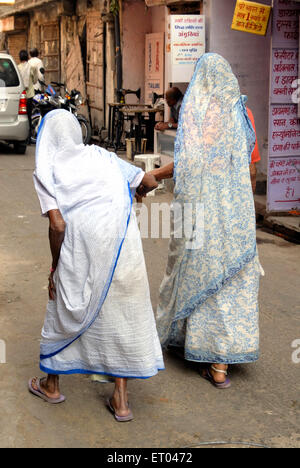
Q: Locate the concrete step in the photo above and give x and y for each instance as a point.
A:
(280, 224)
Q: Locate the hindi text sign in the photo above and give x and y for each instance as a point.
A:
(285, 24)
(187, 45)
(284, 183)
(284, 73)
(284, 139)
(284, 123)
(251, 17)
(154, 65)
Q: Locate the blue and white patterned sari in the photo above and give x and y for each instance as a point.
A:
(208, 298)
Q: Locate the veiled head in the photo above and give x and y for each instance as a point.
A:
(214, 77)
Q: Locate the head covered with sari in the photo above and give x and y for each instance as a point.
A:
(213, 150)
(213, 124)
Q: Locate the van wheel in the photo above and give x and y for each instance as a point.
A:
(20, 147)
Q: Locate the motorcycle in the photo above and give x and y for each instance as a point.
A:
(51, 100)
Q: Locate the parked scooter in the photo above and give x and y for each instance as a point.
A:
(50, 100)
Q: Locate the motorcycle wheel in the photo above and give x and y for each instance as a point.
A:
(85, 128)
(35, 123)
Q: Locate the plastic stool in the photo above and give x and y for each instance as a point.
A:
(148, 159)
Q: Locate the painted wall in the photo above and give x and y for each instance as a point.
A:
(137, 22)
(249, 56)
(158, 19)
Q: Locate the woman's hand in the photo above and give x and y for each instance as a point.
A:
(138, 198)
(148, 184)
(56, 237)
(51, 287)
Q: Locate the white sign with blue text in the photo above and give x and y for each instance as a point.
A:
(187, 45)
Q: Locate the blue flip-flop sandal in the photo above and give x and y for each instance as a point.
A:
(39, 392)
(117, 417)
(222, 385)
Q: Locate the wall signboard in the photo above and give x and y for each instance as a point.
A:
(284, 122)
(284, 73)
(285, 24)
(186, 46)
(154, 65)
(251, 17)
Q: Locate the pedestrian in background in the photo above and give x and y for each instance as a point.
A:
(37, 63)
(209, 297)
(174, 98)
(30, 77)
(255, 158)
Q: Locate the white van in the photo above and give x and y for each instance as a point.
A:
(14, 125)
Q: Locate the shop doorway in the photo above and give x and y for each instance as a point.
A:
(50, 47)
(17, 42)
(94, 69)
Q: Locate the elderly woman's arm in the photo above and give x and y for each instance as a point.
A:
(150, 179)
(148, 184)
(56, 237)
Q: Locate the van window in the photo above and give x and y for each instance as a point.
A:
(8, 75)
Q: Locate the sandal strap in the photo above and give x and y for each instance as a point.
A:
(219, 370)
(38, 384)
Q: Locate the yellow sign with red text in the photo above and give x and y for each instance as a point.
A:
(7, 2)
(251, 17)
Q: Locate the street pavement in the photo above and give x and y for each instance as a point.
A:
(174, 409)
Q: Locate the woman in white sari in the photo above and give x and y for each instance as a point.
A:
(99, 318)
(209, 296)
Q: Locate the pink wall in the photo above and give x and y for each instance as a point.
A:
(158, 19)
(137, 22)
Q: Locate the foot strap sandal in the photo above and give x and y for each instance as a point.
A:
(219, 370)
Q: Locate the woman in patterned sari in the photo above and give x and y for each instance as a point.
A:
(209, 295)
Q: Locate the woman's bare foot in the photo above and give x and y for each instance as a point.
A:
(119, 400)
(219, 377)
(49, 385)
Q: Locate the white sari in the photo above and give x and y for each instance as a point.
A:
(102, 319)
